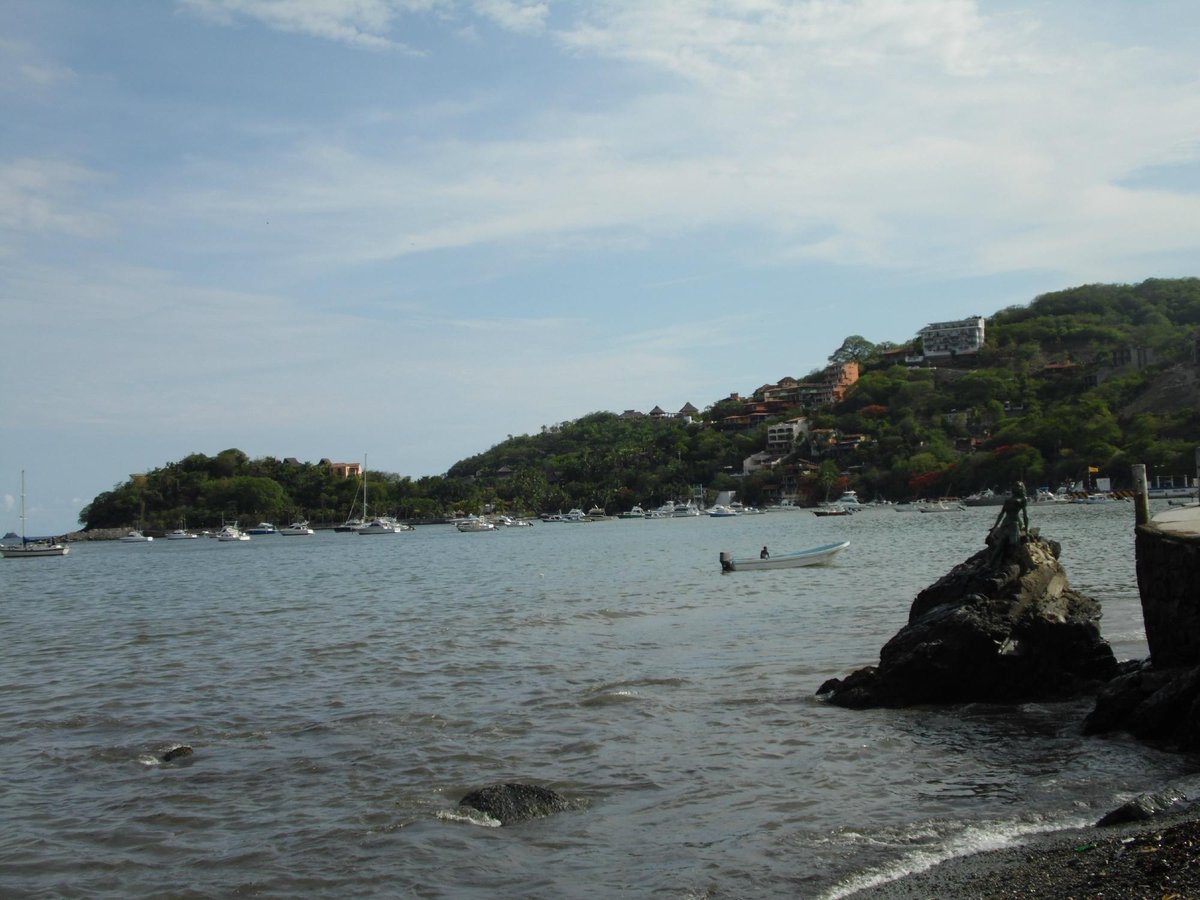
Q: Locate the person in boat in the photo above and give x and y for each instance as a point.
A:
(764, 554)
(1011, 525)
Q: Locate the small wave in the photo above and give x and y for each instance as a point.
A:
(469, 817)
(626, 691)
(970, 841)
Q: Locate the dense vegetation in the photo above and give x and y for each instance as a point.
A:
(1045, 401)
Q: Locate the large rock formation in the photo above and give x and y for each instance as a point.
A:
(1002, 627)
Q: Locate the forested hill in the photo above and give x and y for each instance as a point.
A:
(1083, 381)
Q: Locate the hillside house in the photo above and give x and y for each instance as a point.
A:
(782, 436)
(942, 339)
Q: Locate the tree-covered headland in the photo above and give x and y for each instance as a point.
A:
(1078, 383)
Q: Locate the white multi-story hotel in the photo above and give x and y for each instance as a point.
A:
(952, 338)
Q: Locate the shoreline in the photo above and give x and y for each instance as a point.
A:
(1153, 858)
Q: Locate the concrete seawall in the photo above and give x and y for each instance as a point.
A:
(1168, 575)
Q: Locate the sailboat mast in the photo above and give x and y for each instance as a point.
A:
(22, 507)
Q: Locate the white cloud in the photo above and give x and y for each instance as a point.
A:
(42, 197)
(364, 23)
(24, 68)
(860, 133)
(513, 16)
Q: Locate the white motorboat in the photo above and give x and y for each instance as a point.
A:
(29, 549)
(945, 504)
(813, 556)
(136, 537)
(474, 523)
(635, 513)
(230, 533)
(296, 528)
(720, 511)
(742, 510)
(986, 497)
(378, 526)
(181, 534)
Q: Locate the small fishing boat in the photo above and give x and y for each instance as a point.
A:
(813, 556)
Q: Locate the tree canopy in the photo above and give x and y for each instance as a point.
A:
(1067, 384)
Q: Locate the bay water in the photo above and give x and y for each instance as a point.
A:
(341, 693)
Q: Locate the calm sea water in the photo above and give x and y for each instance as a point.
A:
(342, 693)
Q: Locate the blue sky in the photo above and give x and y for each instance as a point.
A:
(410, 228)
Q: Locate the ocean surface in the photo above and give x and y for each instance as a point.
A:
(342, 693)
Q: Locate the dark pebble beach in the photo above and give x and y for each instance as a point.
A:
(1157, 859)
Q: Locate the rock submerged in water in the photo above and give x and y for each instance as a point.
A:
(511, 803)
(993, 631)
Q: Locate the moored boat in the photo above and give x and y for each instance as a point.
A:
(296, 528)
(230, 533)
(474, 523)
(29, 548)
(136, 537)
(813, 556)
(263, 528)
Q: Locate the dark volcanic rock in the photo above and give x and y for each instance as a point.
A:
(999, 631)
(515, 802)
(1160, 706)
(1146, 806)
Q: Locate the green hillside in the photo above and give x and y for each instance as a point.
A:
(1084, 381)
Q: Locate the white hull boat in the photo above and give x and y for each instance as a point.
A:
(33, 548)
(813, 556)
(232, 533)
(28, 549)
(474, 523)
(296, 528)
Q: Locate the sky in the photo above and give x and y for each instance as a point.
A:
(407, 229)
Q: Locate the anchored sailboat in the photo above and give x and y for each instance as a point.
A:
(28, 549)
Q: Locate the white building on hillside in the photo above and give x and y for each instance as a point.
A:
(952, 338)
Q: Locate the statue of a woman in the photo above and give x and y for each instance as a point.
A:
(1012, 523)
